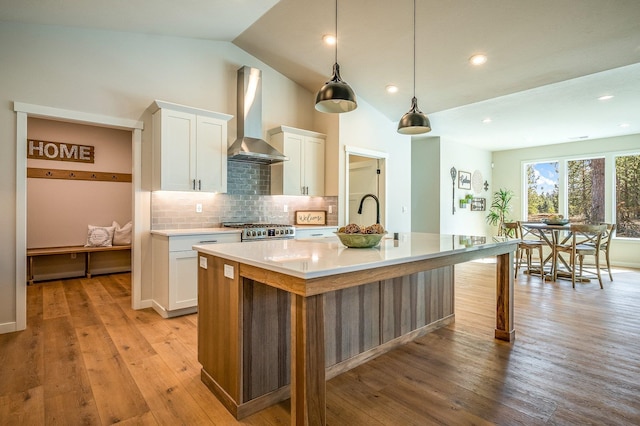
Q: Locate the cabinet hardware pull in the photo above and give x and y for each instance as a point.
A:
(208, 242)
(199, 184)
(194, 184)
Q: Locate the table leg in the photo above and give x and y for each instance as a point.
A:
(308, 386)
(504, 298)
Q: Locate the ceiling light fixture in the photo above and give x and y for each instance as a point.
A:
(605, 97)
(487, 120)
(336, 96)
(391, 88)
(624, 125)
(329, 39)
(478, 59)
(415, 121)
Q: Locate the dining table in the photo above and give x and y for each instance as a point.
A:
(552, 233)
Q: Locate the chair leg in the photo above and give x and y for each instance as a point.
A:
(598, 269)
(572, 263)
(541, 262)
(608, 265)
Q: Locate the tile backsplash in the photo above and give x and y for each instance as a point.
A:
(246, 200)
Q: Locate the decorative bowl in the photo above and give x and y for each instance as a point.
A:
(359, 240)
(555, 221)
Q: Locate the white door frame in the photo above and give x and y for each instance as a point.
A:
(363, 152)
(23, 111)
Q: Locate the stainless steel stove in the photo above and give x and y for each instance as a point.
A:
(263, 231)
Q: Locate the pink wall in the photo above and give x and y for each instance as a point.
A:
(58, 211)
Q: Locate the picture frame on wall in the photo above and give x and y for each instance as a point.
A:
(464, 180)
(479, 204)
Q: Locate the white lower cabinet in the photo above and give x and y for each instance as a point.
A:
(175, 271)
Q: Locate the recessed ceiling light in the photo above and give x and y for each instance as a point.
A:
(605, 97)
(624, 125)
(486, 120)
(391, 88)
(329, 39)
(579, 137)
(478, 59)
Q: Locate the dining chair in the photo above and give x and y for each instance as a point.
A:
(513, 230)
(585, 241)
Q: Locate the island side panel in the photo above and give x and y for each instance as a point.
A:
(266, 333)
(352, 322)
(219, 345)
(414, 301)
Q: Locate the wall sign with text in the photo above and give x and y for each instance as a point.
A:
(59, 151)
(311, 217)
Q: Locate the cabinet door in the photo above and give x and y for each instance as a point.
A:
(178, 150)
(211, 158)
(293, 180)
(183, 279)
(314, 166)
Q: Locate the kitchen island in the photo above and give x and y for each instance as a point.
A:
(279, 318)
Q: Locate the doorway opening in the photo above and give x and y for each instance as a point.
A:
(25, 111)
(365, 179)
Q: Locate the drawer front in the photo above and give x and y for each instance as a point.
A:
(186, 242)
(315, 233)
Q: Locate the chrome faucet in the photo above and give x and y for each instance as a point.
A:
(377, 205)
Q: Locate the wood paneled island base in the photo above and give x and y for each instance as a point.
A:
(279, 318)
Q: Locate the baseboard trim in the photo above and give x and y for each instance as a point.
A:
(8, 327)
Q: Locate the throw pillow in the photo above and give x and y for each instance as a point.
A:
(99, 236)
(122, 234)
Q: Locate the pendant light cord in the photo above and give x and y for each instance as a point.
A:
(414, 48)
(336, 50)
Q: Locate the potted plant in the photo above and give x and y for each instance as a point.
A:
(500, 207)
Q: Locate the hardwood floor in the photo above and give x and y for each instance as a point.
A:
(87, 358)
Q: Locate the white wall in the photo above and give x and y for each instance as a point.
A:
(468, 159)
(369, 129)
(507, 173)
(425, 184)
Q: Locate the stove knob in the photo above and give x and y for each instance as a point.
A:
(253, 233)
(277, 232)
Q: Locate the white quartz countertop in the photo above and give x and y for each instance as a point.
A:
(310, 258)
(195, 231)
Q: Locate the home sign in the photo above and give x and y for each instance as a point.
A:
(59, 151)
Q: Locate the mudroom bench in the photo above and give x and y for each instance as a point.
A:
(49, 251)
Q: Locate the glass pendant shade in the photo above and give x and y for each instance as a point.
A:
(414, 122)
(336, 96)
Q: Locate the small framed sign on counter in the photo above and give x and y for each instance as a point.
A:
(311, 217)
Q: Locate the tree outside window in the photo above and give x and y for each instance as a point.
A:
(628, 196)
(542, 190)
(585, 190)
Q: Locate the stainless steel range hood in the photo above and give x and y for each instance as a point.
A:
(249, 147)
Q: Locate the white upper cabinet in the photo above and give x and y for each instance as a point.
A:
(303, 174)
(189, 148)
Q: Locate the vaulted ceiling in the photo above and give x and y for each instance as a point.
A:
(548, 60)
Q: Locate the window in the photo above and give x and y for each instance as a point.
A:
(628, 196)
(585, 190)
(542, 190)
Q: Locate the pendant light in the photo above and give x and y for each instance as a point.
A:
(336, 96)
(415, 121)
